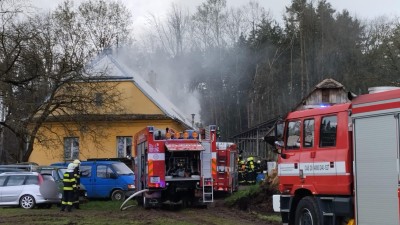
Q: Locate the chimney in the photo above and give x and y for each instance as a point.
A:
(153, 79)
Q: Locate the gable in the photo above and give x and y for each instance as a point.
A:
(117, 71)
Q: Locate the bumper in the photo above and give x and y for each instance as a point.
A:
(276, 203)
(129, 192)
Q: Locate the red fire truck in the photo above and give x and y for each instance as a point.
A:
(340, 164)
(173, 167)
(226, 177)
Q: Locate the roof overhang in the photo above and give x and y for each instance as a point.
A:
(184, 146)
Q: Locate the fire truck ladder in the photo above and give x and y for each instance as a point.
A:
(208, 189)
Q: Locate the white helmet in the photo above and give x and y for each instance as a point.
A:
(71, 166)
(77, 162)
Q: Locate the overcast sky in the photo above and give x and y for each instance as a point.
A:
(363, 9)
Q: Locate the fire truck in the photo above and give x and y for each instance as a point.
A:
(339, 164)
(174, 167)
(226, 177)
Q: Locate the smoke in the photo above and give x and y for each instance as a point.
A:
(169, 78)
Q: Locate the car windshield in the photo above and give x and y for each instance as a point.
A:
(122, 169)
(61, 172)
(47, 177)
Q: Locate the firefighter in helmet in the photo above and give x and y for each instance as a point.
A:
(77, 176)
(241, 168)
(69, 187)
(241, 171)
(250, 170)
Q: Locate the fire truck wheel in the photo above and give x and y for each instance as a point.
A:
(117, 195)
(307, 212)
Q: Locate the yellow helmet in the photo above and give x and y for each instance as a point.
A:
(250, 158)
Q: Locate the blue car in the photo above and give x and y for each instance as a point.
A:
(106, 179)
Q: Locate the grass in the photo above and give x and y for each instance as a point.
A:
(248, 192)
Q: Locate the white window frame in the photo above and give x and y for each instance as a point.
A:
(122, 145)
(72, 145)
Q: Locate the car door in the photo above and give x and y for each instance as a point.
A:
(2, 179)
(13, 188)
(104, 183)
(86, 177)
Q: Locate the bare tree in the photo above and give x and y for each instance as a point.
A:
(107, 23)
(45, 76)
(172, 34)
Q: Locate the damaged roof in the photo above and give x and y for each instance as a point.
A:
(116, 70)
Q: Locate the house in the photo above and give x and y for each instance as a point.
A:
(327, 92)
(109, 135)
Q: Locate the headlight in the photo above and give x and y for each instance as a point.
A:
(131, 186)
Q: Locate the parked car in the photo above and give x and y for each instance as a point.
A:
(18, 167)
(26, 189)
(57, 173)
(106, 179)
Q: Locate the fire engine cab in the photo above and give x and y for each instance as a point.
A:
(339, 164)
(174, 167)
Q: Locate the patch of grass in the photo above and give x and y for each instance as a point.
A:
(105, 205)
(248, 192)
(271, 217)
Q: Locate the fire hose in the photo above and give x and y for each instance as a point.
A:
(130, 197)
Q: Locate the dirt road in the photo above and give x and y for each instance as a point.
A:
(217, 214)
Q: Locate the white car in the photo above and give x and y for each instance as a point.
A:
(27, 189)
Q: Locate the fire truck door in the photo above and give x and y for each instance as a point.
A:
(376, 143)
(288, 168)
(325, 155)
(307, 153)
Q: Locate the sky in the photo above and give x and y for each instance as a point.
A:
(141, 9)
(362, 9)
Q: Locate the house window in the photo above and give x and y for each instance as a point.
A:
(325, 95)
(124, 147)
(71, 148)
(98, 99)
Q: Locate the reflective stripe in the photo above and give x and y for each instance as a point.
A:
(150, 163)
(214, 166)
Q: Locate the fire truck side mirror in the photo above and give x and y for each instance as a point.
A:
(279, 146)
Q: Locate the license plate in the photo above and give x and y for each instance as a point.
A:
(154, 179)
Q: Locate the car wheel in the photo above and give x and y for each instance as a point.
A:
(27, 202)
(117, 195)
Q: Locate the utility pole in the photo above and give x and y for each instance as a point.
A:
(2, 119)
(193, 120)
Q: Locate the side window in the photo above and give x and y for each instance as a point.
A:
(86, 171)
(328, 131)
(2, 179)
(103, 171)
(15, 180)
(293, 135)
(32, 180)
(71, 148)
(308, 131)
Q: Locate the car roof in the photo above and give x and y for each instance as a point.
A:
(19, 173)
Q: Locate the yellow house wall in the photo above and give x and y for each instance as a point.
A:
(104, 147)
(104, 144)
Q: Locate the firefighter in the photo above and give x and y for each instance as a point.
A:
(69, 183)
(241, 170)
(77, 176)
(250, 171)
